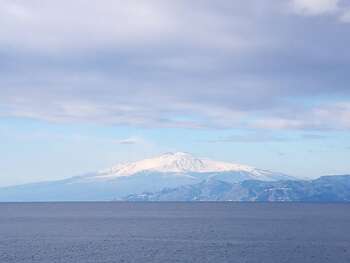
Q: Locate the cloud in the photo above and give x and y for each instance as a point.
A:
(334, 8)
(345, 16)
(249, 137)
(315, 7)
(159, 64)
(63, 26)
(109, 22)
(324, 117)
(129, 141)
(265, 137)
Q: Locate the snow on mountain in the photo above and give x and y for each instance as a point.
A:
(323, 189)
(178, 162)
(181, 163)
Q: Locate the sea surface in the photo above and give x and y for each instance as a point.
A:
(174, 232)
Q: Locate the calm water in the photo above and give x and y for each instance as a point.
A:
(174, 232)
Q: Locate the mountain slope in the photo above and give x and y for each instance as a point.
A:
(186, 165)
(324, 189)
(169, 170)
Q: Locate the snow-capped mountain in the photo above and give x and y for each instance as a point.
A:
(185, 164)
(178, 162)
(166, 171)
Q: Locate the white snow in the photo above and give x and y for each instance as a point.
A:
(180, 163)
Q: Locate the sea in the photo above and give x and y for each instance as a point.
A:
(174, 232)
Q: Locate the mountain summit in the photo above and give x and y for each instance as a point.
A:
(182, 163)
(168, 170)
(178, 162)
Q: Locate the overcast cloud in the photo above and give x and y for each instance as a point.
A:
(195, 64)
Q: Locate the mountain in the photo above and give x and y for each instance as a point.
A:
(182, 164)
(324, 189)
(169, 170)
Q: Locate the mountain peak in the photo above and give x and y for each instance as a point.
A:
(174, 162)
(177, 155)
(185, 164)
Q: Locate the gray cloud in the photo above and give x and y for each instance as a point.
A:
(315, 7)
(129, 141)
(158, 64)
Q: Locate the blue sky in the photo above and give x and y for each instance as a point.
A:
(86, 85)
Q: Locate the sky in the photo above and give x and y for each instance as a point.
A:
(88, 84)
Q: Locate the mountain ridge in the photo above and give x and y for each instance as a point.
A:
(334, 188)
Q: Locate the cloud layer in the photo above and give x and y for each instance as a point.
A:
(315, 7)
(200, 64)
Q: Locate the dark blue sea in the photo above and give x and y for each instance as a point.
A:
(174, 232)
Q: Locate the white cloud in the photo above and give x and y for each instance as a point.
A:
(278, 123)
(345, 16)
(55, 26)
(334, 116)
(66, 24)
(315, 7)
